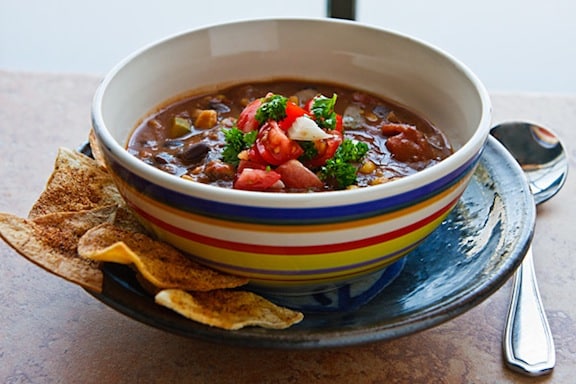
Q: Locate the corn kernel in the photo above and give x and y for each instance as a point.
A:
(367, 167)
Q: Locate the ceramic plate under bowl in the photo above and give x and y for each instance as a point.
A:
(472, 254)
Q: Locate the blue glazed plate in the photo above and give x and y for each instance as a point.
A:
(472, 254)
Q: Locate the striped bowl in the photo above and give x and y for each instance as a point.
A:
(297, 243)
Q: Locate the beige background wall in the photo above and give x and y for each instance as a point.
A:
(513, 45)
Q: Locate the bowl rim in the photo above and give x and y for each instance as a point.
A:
(259, 198)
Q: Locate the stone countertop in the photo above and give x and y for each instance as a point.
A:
(52, 331)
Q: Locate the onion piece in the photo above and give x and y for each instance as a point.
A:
(353, 117)
(306, 129)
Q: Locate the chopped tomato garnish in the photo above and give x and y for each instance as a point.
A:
(339, 124)
(296, 175)
(326, 148)
(254, 156)
(249, 164)
(247, 120)
(274, 146)
(308, 106)
(256, 179)
(293, 112)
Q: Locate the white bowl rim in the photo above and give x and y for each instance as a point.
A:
(258, 198)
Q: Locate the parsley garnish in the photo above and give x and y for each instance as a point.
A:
(310, 150)
(341, 169)
(351, 151)
(273, 108)
(323, 111)
(236, 142)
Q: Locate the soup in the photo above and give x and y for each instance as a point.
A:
(288, 136)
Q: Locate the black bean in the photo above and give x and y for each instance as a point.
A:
(194, 153)
(219, 107)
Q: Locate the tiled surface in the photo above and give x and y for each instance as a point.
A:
(53, 332)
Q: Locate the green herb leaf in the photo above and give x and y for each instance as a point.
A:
(351, 151)
(310, 151)
(273, 108)
(236, 142)
(323, 111)
(341, 170)
(250, 138)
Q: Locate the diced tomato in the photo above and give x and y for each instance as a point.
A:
(256, 179)
(247, 120)
(274, 146)
(249, 164)
(326, 149)
(339, 124)
(296, 175)
(254, 156)
(308, 105)
(293, 112)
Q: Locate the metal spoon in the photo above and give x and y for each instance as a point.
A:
(528, 343)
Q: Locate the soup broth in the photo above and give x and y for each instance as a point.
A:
(191, 138)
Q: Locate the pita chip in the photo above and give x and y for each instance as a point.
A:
(50, 241)
(160, 264)
(228, 309)
(77, 183)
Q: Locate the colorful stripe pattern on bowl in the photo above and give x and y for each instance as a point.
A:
(277, 215)
(327, 246)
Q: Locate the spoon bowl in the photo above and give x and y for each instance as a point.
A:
(528, 343)
(539, 152)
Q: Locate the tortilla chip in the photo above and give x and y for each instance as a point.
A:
(126, 219)
(77, 183)
(50, 241)
(228, 309)
(96, 150)
(159, 263)
(80, 220)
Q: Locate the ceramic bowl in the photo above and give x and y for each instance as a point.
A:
(295, 243)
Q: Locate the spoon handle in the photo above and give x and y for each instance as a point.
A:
(528, 342)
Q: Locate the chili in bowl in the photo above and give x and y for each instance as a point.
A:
(252, 137)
